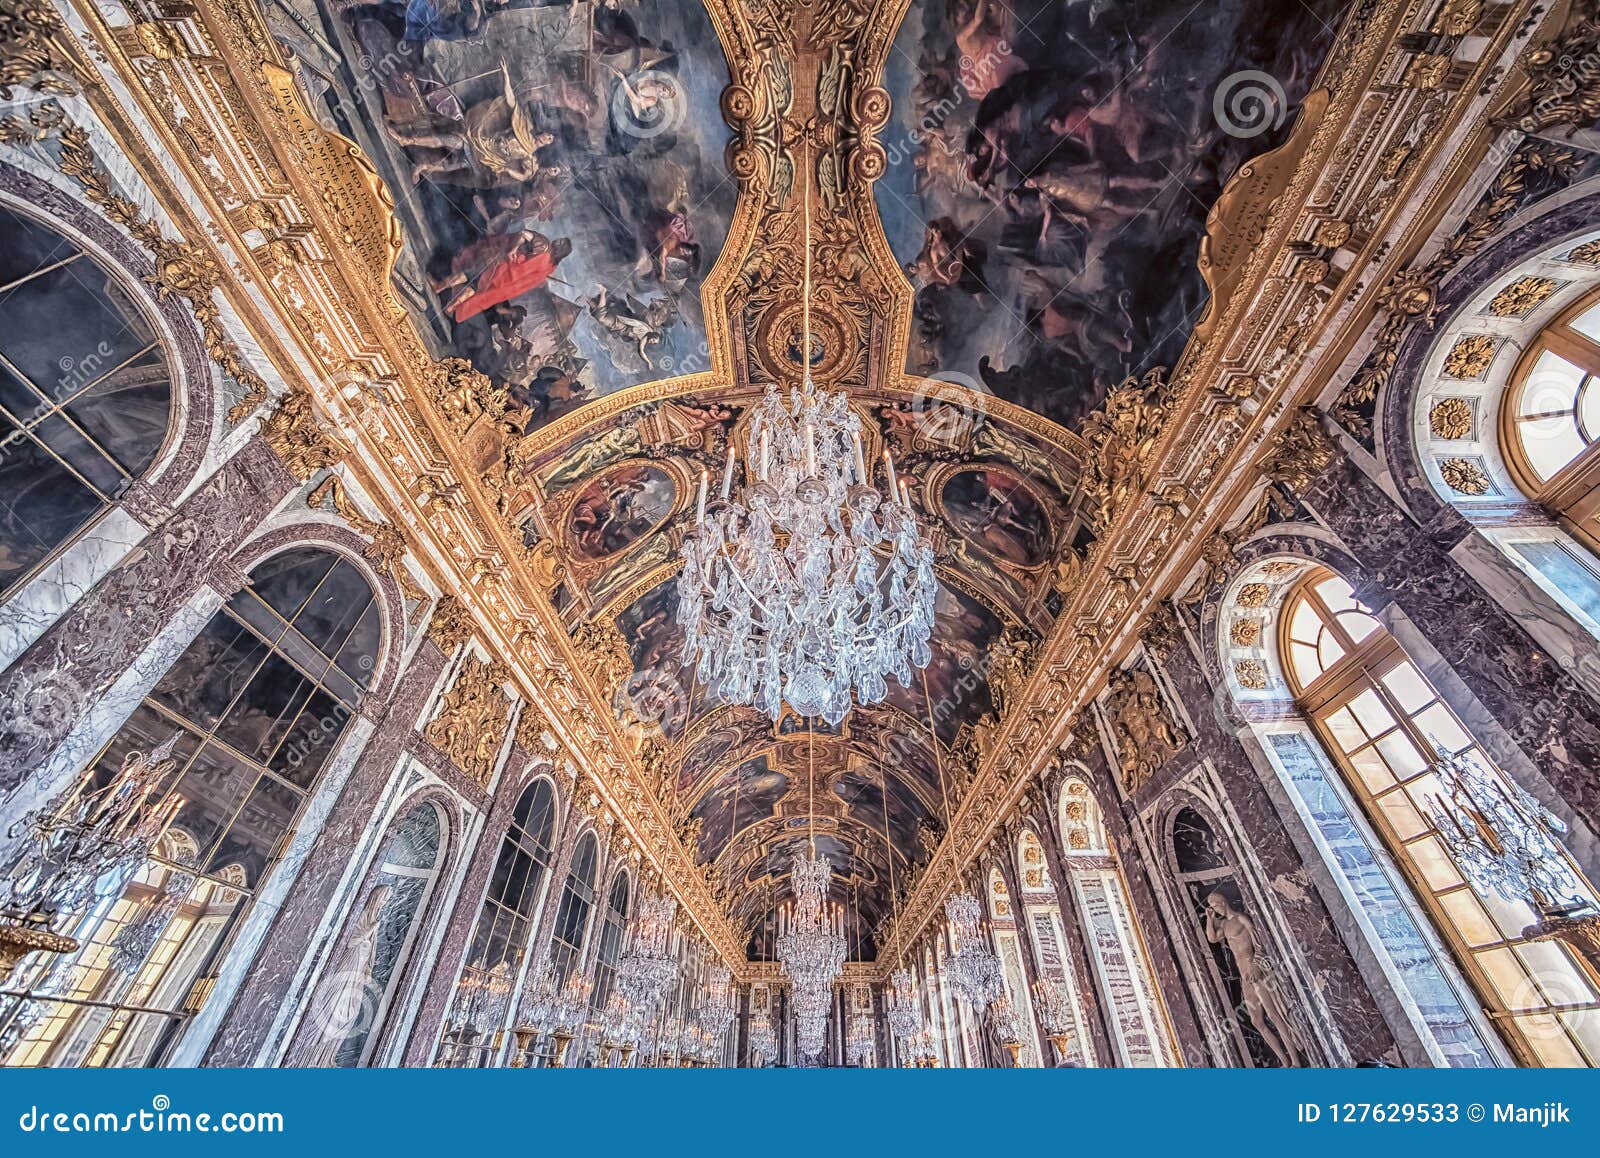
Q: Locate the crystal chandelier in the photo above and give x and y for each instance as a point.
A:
(974, 968)
(82, 850)
(808, 583)
(905, 1018)
(648, 967)
(858, 1042)
(717, 1013)
(812, 949)
(1501, 838)
(763, 1040)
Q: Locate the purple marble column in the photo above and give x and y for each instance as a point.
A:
(446, 965)
(248, 1022)
(58, 679)
(1355, 1012)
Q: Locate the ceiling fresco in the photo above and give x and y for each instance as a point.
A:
(556, 169)
(1051, 167)
(567, 177)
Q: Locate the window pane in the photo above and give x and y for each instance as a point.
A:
(1374, 716)
(1440, 726)
(1550, 443)
(1566, 573)
(1551, 388)
(1588, 322)
(1408, 686)
(41, 504)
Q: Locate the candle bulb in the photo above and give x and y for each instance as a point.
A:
(894, 484)
(811, 450)
(700, 512)
(727, 477)
(861, 462)
(764, 447)
(905, 494)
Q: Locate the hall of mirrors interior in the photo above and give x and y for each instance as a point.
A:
(789, 533)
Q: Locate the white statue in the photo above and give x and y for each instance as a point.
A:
(346, 1002)
(1258, 981)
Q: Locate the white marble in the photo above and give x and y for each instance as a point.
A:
(35, 607)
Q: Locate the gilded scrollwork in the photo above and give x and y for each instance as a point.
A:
(473, 718)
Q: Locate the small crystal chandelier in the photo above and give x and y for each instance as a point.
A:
(858, 1042)
(648, 967)
(905, 1017)
(717, 1013)
(82, 850)
(1501, 837)
(808, 584)
(812, 949)
(974, 968)
(763, 1040)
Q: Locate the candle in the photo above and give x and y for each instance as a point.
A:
(811, 450)
(861, 462)
(727, 477)
(905, 494)
(700, 512)
(894, 485)
(762, 474)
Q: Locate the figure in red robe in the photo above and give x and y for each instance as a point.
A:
(497, 268)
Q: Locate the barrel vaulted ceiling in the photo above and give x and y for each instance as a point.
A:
(1069, 259)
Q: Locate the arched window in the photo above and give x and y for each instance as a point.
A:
(1121, 966)
(1056, 998)
(352, 999)
(483, 991)
(572, 918)
(1002, 911)
(1552, 413)
(610, 949)
(253, 709)
(1386, 726)
(85, 394)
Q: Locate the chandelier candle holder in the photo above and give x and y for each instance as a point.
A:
(81, 850)
(1054, 1002)
(974, 968)
(1008, 1028)
(569, 1010)
(718, 1011)
(1506, 842)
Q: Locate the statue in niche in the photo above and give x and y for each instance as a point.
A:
(349, 999)
(1147, 736)
(1259, 984)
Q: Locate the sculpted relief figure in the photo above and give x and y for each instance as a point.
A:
(1147, 737)
(1259, 984)
(348, 1002)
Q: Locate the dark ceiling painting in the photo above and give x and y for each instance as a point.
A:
(952, 687)
(739, 798)
(617, 509)
(655, 643)
(862, 790)
(557, 171)
(1051, 170)
(996, 511)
